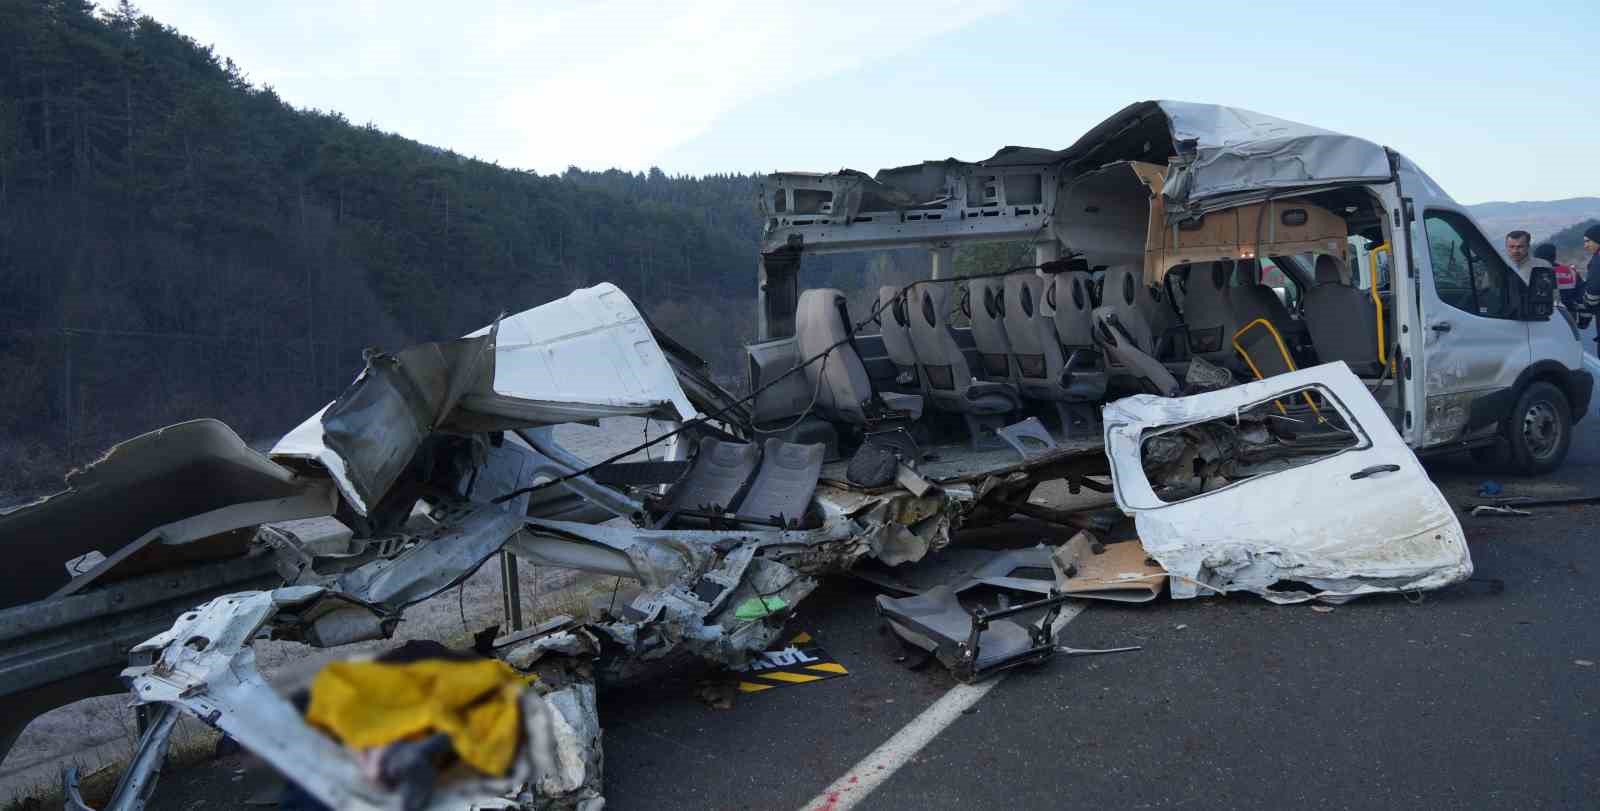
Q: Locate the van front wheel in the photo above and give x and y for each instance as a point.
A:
(1539, 430)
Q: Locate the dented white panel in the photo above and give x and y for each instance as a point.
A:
(306, 441)
(587, 355)
(590, 347)
(1385, 532)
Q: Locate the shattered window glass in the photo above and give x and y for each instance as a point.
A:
(1294, 429)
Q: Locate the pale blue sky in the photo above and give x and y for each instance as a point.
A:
(1498, 101)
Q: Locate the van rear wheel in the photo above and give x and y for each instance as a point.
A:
(1539, 429)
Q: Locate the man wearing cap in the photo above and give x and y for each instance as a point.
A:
(1591, 278)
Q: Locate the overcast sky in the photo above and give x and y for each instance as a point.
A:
(1498, 101)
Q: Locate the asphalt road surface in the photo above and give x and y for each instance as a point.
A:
(1471, 697)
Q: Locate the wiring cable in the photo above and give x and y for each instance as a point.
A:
(707, 418)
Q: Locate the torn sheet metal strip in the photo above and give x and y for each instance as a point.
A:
(315, 501)
(429, 568)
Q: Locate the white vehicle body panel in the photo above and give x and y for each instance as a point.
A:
(587, 355)
(590, 347)
(1311, 524)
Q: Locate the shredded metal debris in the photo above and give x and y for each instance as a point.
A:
(850, 452)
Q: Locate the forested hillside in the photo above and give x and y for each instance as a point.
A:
(1569, 242)
(176, 242)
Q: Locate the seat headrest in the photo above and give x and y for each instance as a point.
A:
(1328, 270)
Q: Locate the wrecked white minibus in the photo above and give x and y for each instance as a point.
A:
(850, 448)
(1175, 233)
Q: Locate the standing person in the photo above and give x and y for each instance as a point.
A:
(1566, 278)
(1591, 279)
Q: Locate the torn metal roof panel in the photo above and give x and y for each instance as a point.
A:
(584, 356)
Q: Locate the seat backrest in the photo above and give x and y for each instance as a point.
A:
(1074, 306)
(1126, 294)
(1122, 354)
(1032, 332)
(944, 368)
(716, 478)
(1206, 313)
(840, 380)
(1342, 320)
(987, 302)
(895, 316)
(1253, 300)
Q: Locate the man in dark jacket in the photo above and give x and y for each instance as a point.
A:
(1591, 278)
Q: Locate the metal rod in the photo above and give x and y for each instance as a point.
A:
(511, 590)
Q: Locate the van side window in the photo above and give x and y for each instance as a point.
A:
(1467, 272)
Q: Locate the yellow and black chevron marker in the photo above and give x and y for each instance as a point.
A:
(800, 661)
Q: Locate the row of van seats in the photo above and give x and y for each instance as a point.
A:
(917, 337)
(1027, 346)
(1042, 338)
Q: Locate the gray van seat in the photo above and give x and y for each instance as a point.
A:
(1342, 321)
(1125, 358)
(843, 390)
(1265, 352)
(1206, 311)
(936, 622)
(1031, 317)
(895, 317)
(986, 302)
(785, 482)
(715, 478)
(950, 384)
(1074, 308)
(1125, 293)
(1137, 302)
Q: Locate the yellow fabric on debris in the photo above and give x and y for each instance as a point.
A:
(368, 704)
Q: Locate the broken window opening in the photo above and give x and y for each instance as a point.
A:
(1294, 429)
(813, 201)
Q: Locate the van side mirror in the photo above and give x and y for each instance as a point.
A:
(1539, 297)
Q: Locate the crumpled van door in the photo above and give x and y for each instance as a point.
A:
(1339, 508)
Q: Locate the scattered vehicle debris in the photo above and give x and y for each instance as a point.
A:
(1519, 502)
(1498, 510)
(440, 457)
(850, 449)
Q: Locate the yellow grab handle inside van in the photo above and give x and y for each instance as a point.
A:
(1377, 303)
(1283, 349)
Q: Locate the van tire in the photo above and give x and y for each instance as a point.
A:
(1539, 429)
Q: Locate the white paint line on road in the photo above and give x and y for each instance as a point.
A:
(873, 770)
